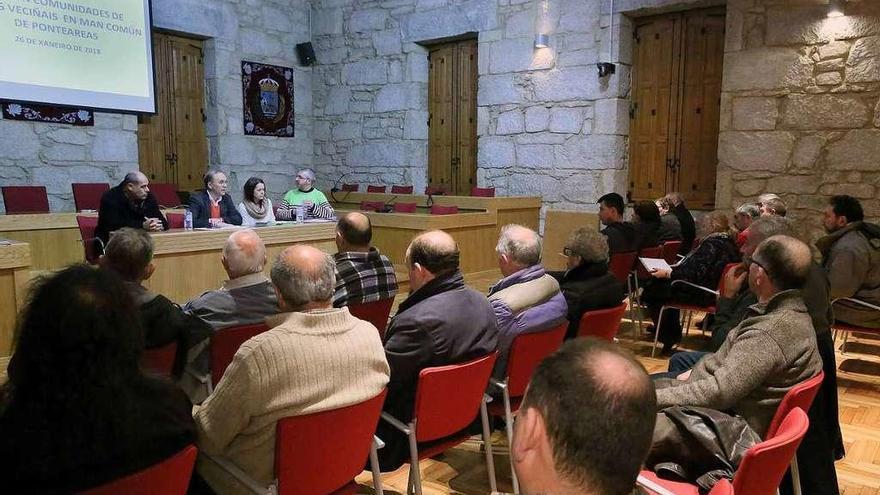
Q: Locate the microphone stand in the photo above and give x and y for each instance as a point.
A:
(335, 188)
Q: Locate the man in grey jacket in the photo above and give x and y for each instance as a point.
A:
(769, 352)
(851, 256)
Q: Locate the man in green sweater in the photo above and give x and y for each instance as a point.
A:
(306, 195)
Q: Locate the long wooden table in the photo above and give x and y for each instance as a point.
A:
(54, 237)
(15, 260)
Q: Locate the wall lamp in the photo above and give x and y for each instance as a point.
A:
(836, 8)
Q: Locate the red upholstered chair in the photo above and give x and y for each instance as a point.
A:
(169, 477)
(601, 323)
(93, 247)
(160, 360)
(846, 328)
(372, 205)
(763, 466)
(25, 199)
(350, 187)
(670, 251)
(401, 189)
(640, 273)
(321, 453)
(175, 220)
(621, 264)
(690, 308)
(224, 345)
(87, 195)
(405, 208)
(484, 192)
(448, 398)
(652, 486)
(376, 189)
(165, 194)
(443, 210)
(375, 312)
(440, 190)
(526, 352)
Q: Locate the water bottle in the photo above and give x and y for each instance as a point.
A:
(187, 220)
(300, 213)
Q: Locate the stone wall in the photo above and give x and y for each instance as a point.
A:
(258, 30)
(800, 111)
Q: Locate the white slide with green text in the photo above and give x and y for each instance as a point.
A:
(82, 53)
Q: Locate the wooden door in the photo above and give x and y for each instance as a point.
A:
(452, 107)
(172, 144)
(676, 106)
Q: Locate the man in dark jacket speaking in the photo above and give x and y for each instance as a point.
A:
(441, 322)
(130, 204)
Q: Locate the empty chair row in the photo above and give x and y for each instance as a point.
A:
(86, 196)
(486, 192)
(397, 207)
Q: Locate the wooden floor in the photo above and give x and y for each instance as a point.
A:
(463, 469)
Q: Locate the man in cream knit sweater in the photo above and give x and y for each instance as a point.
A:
(317, 358)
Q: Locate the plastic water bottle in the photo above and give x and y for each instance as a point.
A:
(300, 213)
(187, 220)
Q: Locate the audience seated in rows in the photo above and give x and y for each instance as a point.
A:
(130, 254)
(703, 267)
(77, 412)
(362, 274)
(586, 283)
(742, 218)
(670, 227)
(770, 351)
(213, 207)
(305, 195)
(130, 204)
(316, 358)
(585, 423)
(685, 220)
(441, 322)
(851, 256)
(646, 222)
(621, 235)
(527, 299)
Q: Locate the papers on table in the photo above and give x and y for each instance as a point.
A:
(652, 264)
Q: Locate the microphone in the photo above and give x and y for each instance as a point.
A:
(389, 205)
(335, 188)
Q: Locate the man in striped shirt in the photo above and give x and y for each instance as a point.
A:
(362, 274)
(305, 194)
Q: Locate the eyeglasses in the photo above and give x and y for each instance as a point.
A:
(753, 261)
(568, 252)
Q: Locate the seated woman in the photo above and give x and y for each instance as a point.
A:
(586, 283)
(256, 207)
(670, 227)
(646, 220)
(703, 266)
(77, 412)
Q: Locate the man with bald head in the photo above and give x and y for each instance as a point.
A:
(129, 204)
(362, 274)
(441, 322)
(769, 352)
(527, 299)
(315, 359)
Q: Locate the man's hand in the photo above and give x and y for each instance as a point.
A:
(684, 376)
(661, 273)
(308, 204)
(733, 282)
(152, 224)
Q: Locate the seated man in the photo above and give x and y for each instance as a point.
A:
(586, 283)
(130, 254)
(213, 207)
(527, 299)
(362, 274)
(441, 322)
(622, 237)
(773, 206)
(318, 358)
(744, 216)
(851, 256)
(600, 449)
(306, 195)
(130, 204)
(769, 352)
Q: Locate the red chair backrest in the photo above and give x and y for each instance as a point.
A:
(722, 487)
(448, 397)
(443, 210)
(764, 465)
(376, 189)
(160, 360)
(436, 190)
(25, 199)
(169, 477)
(649, 252)
(165, 194)
(485, 192)
(316, 454)
(405, 207)
(401, 189)
(350, 187)
(372, 205)
(175, 220)
(801, 395)
(601, 323)
(670, 251)
(526, 352)
(225, 343)
(87, 227)
(87, 195)
(621, 264)
(375, 312)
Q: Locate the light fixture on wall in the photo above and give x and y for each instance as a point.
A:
(542, 41)
(836, 8)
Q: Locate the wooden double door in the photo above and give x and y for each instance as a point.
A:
(452, 116)
(675, 110)
(172, 145)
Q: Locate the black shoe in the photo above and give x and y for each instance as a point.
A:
(668, 349)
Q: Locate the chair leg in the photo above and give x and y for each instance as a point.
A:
(795, 476)
(657, 330)
(508, 419)
(415, 476)
(638, 310)
(629, 297)
(487, 433)
(374, 467)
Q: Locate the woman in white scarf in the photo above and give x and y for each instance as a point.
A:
(256, 207)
